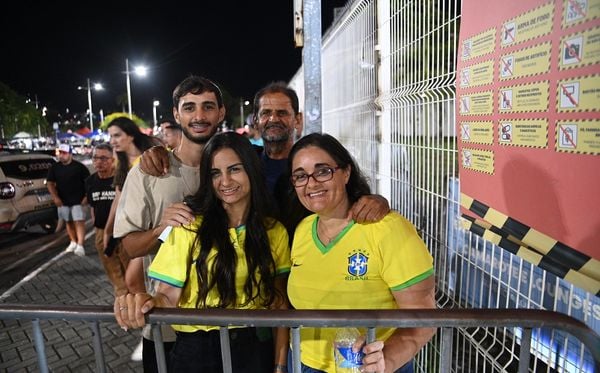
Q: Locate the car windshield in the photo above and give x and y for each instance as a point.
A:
(27, 168)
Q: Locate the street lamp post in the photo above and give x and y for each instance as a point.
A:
(155, 103)
(139, 70)
(242, 104)
(128, 86)
(97, 87)
(89, 92)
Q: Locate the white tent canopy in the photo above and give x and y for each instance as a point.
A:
(22, 135)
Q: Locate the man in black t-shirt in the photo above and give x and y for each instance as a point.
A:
(66, 184)
(100, 194)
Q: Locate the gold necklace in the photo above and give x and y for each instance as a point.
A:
(324, 233)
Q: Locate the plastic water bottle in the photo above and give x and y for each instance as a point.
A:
(347, 361)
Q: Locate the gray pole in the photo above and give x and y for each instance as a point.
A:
(311, 58)
(89, 88)
(128, 87)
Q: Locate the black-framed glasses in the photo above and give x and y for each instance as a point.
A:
(321, 175)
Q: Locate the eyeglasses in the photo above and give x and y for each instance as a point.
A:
(101, 159)
(320, 175)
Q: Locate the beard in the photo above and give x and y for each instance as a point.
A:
(199, 139)
(283, 136)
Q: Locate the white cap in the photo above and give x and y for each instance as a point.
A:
(64, 148)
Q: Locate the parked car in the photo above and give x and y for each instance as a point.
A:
(24, 198)
(4, 144)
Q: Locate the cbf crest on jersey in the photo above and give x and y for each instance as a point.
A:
(358, 263)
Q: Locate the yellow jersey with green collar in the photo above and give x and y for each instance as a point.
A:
(174, 265)
(358, 269)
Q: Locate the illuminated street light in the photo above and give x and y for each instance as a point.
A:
(89, 87)
(242, 104)
(139, 71)
(155, 103)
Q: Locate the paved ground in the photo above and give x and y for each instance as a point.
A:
(69, 279)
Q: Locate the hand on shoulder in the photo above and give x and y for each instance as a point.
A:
(155, 161)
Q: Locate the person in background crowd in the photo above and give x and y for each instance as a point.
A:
(171, 133)
(237, 258)
(144, 210)
(100, 194)
(382, 265)
(128, 143)
(254, 135)
(66, 184)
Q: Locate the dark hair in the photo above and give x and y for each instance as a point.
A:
(196, 85)
(357, 185)
(140, 140)
(171, 124)
(276, 87)
(103, 146)
(260, 284)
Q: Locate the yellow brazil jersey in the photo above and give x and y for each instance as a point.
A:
(174, 257)
(359, 269)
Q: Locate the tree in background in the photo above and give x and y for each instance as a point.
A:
(17, 115)
(144, 127)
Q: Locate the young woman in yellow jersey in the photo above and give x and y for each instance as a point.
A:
(234, 255)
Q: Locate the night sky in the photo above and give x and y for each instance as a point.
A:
(242, 45)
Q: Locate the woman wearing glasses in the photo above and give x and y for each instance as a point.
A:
(382, 265)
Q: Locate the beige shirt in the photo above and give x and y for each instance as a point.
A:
(143, 200)
(145, 197)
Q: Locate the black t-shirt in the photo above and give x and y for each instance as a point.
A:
(291, 211)
(70, 181)
(100, 195)
(274, 168)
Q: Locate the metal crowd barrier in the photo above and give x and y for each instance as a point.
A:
(447, 319)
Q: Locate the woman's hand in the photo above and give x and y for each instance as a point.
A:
(374, 359)
(105, 240)
(130, 308)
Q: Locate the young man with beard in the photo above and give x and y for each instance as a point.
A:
(143, 211)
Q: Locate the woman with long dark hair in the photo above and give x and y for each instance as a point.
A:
(234, 255)
(128, 143)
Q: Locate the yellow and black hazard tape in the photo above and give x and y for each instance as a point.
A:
(543, 244)
(509, 243)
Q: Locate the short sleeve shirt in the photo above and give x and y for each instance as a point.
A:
(359, 269)
(175, 265)
(70, 181)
